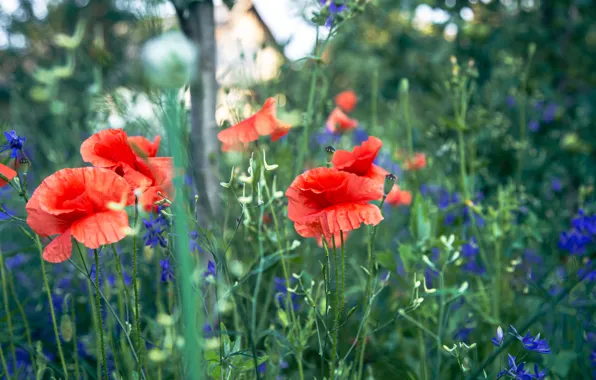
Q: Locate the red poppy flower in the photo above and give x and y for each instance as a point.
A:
(111, 149)
(79, 203)
(7, 172)
(142, 145)
(324, 201)
(416, 163)
(398, 197)
(262, 123)
(360, 160)
(338, 118)
(330, 241)
(346, 100)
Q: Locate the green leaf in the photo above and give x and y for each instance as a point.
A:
(563, 363)
(420, 222)
(387, 260)
(406, 253)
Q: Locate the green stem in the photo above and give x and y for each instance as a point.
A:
(13, 293)
(308, 119)
(74, 341)
(409, 133)
(3, 360)
(8, 313)
(136, 287)
(343, 274)
(372, 264)
(51, 303)
(422, 354)
(336, 313)
(440, 323)
(497, 281)
(99, 317)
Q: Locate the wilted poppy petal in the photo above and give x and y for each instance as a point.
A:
(101, 228)
(360, 159)
(346, 100)
(143, 147)
(107, 148)
(59, 249)
(8, 173)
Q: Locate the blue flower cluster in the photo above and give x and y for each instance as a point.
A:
(14, 143)
(530, 343)
(167, 271)
(580, 236)
(471, 258)
(155, 228)
(449, 202)
(281, 291)
(334, 9)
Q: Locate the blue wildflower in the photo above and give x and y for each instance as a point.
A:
(167, 271)
(556, 185)
(15, 261)
(334, 10)
(155, 228)
(510, 101)
(326, 138)
(580, 236)
(262, 368)
(549, 113)
(532, 343)
(193, 243)
(15, 143)
(498, 339)
(430, 273)
(515, 370)
(210, 269)
(470, 255)
(587, 272)
(281, 291)
(534, 125)
(359, 136)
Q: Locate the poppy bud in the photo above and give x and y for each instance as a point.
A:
(24, 165)
(329, 150)
(389, 182)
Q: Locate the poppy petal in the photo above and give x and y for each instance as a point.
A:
(360, 159)
(107, 148)
(346, 100)
(59, 249)
(101, 228)
(142, 145)
(239, 135)
(377, 174)
(343, 217)
(103, 187)
(7, 172)
(338, 118)
(45, 224)
(398, 197)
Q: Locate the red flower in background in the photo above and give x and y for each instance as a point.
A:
(346, 100)
(262, 123)
(360, 160)
(142, 145)
(416, 163)
(398, 197)
(324, 201)
(111, 149)
(338, 121)
(7, 172)
(77, 203)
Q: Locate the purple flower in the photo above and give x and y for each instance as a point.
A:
(359, 136)
(532, 343)
(281, 292)
(15, 143)
(167, 271)
(15, 261)
(193, 243)
(470, 255)
(210, 269)
(262, 368)
(334, 10)
(515, 370)
(556, 185)
(580, 236)
(510, 101)
(550, 112)
(534, 125)
(155, 227)
(498, 340)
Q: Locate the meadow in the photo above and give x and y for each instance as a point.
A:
(411, 200)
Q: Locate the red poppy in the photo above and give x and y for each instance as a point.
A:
(142, 145)
(262, 123)
(110, 149)
(338, 118)
(7, 172)
(78, 203)
(324, 201)
(398, 197)
(337, 236)
(360, 160)
(416, 163)
(346, 100)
